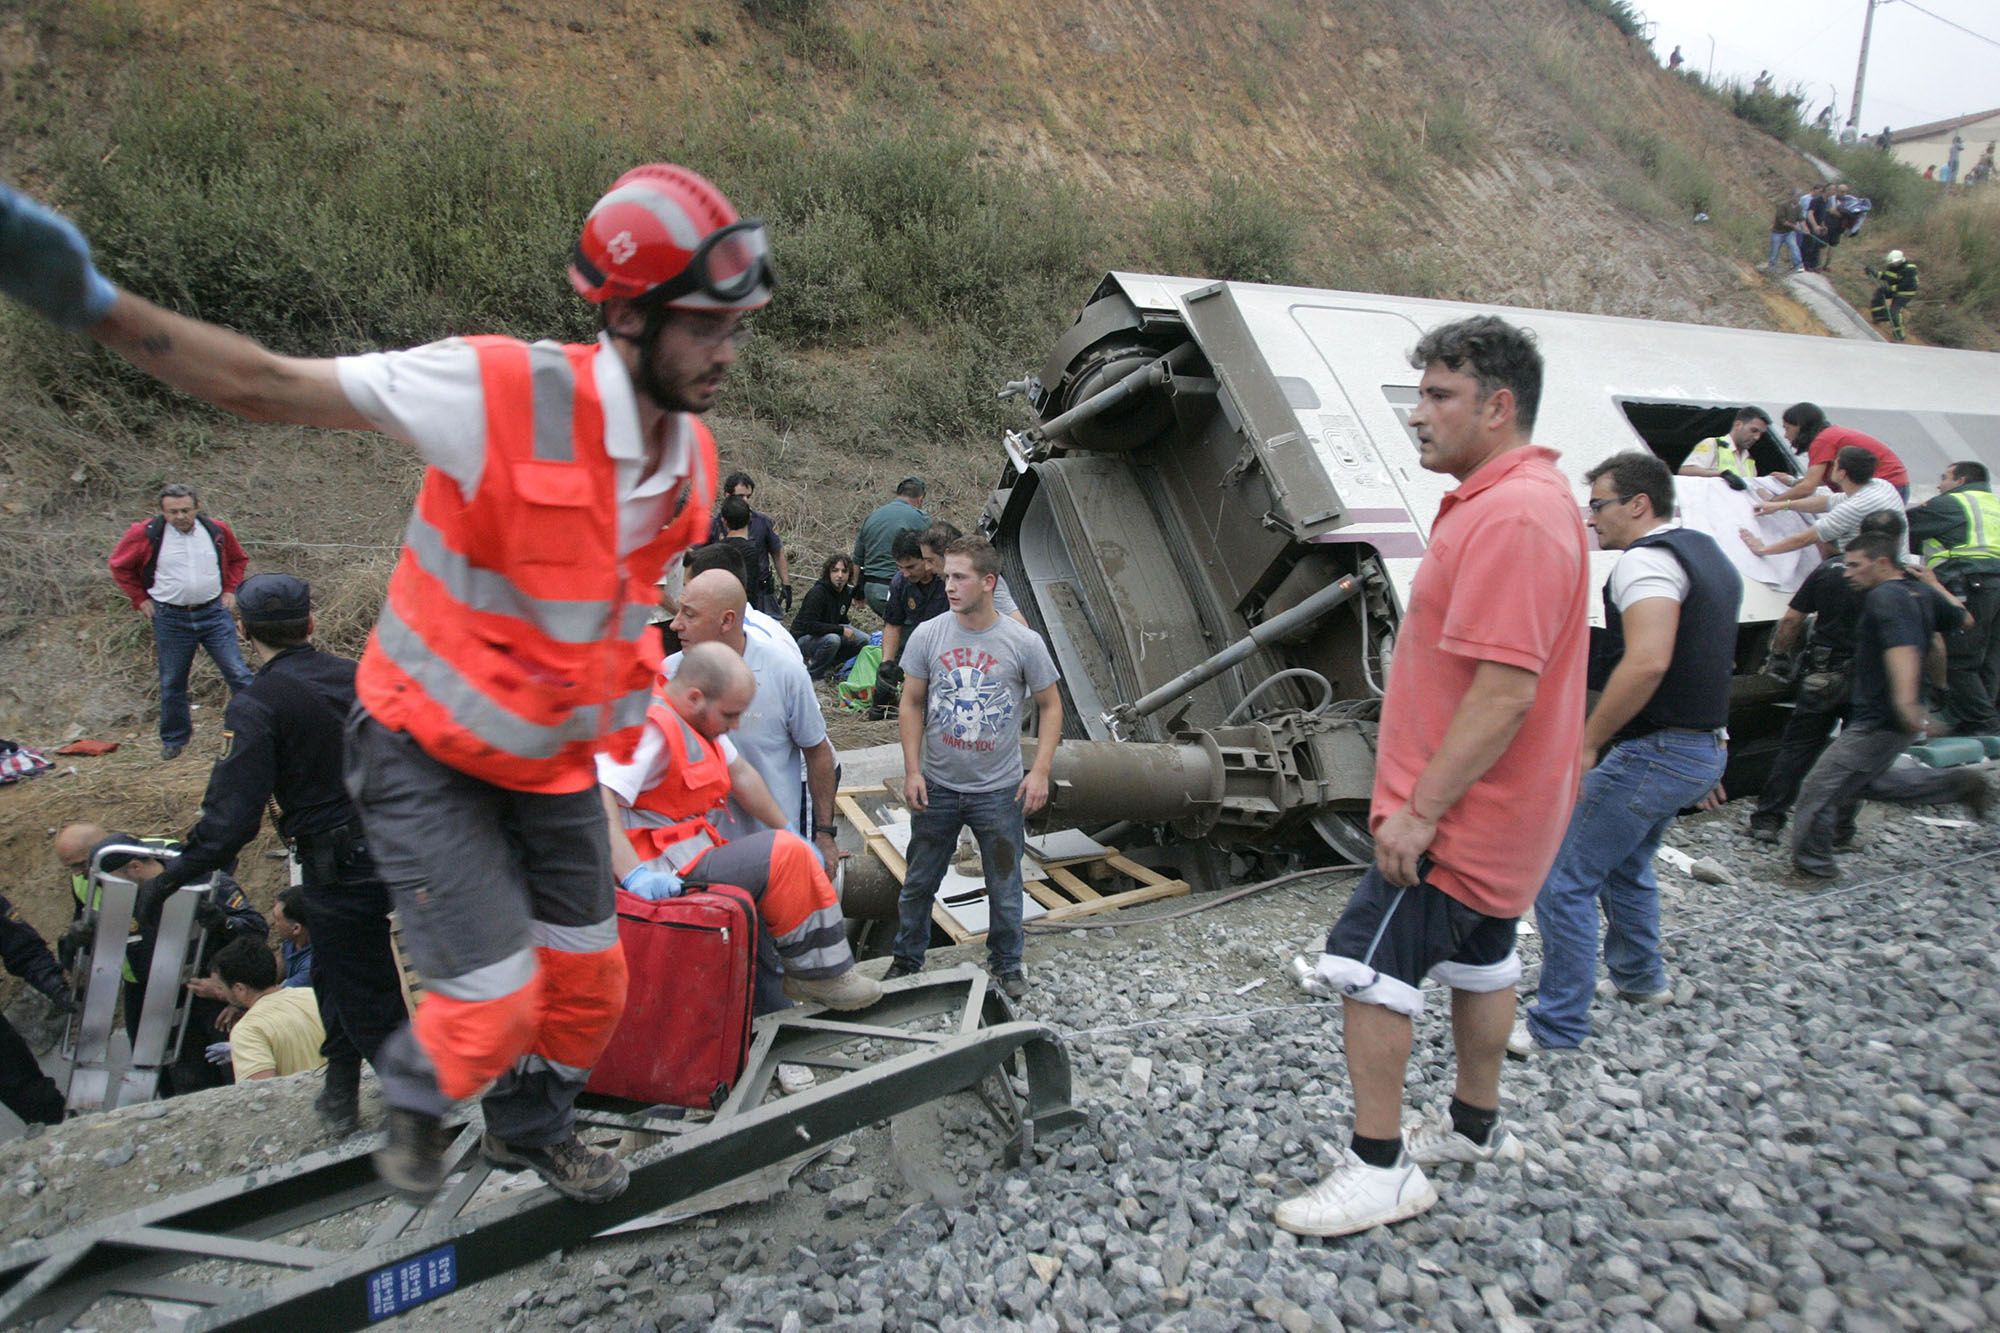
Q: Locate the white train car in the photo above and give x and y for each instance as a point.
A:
(1208, 455)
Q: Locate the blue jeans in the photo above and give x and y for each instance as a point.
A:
(825, 654)
(996, 820)
(177, 632)
(1787, 241)
(1628, 802)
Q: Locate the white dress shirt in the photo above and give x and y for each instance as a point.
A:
(189, 572)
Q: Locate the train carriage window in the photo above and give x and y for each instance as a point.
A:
(1672, 430)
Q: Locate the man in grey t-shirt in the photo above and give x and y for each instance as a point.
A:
(965, 677)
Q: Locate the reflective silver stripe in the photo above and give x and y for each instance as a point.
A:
(1975, 503)
(680, 855)
(678, 224)
(629, 710)
(487, 983)
(834, 956)
(633, 621)
(594, 938)
(470, 708)
(486, 590)
(555, 391)
(536, 1064)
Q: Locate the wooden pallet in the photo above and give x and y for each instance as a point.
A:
(1065, 894)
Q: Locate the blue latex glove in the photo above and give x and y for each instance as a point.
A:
(653, 885)
(218, 1054)
(45, 264)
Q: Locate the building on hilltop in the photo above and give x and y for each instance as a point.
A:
(1930, 145)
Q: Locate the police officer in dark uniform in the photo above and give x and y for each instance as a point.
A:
(24, 1088)
(284, 742)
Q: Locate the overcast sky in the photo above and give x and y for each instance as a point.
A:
(1919, 68)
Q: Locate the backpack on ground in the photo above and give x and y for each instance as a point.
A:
(859, 687)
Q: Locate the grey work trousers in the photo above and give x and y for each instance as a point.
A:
(1857, 764)
(481, 878)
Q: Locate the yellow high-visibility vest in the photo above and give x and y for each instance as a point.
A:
(1982, 530)
(1728, 460)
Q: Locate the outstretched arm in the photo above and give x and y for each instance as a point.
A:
(227, 369)
(1813, 478)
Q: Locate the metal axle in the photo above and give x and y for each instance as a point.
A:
(1275, 630)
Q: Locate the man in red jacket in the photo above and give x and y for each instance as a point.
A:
(180, 569)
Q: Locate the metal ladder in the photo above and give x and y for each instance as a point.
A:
(929, 1036)
(177, 950)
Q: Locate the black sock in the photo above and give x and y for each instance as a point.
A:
(1474, 1122)
(1378, 1152)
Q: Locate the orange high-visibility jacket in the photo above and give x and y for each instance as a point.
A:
(695, 784)
(509, 647)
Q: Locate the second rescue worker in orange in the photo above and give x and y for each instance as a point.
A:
(560, 481)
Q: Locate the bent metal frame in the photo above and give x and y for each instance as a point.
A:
(257, 1259)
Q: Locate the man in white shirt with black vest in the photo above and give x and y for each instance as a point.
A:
(180, 569)
(1653, 745)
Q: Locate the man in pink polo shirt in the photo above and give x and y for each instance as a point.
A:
(1476, 770)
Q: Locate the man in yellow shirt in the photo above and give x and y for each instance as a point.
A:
(280, 1031)
(1730, 453)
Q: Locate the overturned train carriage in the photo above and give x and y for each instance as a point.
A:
(1218, 514)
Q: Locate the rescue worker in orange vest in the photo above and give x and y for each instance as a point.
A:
(659, 802)
(559, 482)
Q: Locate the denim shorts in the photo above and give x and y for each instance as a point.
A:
(1389, 939)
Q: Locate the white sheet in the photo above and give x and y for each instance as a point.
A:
(1709, 505)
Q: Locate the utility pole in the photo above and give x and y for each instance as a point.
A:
(1853, 130)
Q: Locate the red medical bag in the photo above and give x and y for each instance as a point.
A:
(686, 1029)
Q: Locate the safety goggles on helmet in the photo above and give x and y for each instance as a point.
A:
(730, 269)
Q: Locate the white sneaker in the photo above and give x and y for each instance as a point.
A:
(1435, 1142)
(1520, 1042)
(1358, 1196)
(796, 1078)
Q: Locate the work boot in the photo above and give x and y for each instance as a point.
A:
(588, 1175)
(849, 990)
(411, 1158)
(1767, 828)
(1013, 985)
(339, 1102)
(902, 967)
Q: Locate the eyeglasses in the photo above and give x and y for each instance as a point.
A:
(711, 333)
(1598, 506)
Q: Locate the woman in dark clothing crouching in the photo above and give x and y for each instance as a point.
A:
(821, 627)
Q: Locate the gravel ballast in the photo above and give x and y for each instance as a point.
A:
(1805, 1139)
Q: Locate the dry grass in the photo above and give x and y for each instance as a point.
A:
(826, 423)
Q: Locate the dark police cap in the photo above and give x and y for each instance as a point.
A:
(111, 862)
(271, 598)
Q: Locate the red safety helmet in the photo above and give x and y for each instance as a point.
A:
(664, 235)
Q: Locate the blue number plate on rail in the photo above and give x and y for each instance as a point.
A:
(426, 1277)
